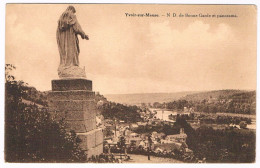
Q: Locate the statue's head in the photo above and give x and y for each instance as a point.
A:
(71, 8)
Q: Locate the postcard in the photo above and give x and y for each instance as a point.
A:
(130, 83)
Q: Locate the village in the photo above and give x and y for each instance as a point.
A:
(124, 138)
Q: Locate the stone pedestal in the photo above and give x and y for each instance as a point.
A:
(73, 100)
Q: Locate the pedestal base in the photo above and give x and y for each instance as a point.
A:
(73, 101)
(71, 84)
(91, 139)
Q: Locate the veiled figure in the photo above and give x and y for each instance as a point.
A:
(68, 43)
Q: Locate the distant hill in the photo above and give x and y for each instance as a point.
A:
(215, 94)
(228, 101)
(138, 98)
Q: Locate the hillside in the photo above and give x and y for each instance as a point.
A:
(32, 95)
(137, 99)
(211, 94)
(228, 101)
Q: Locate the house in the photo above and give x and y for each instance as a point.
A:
(156, 135)
(177, 137)
(141, 123)
(145, 144)
(142, 143)
(134, 139)
(133, 126)
(158, 150)
(169, 146)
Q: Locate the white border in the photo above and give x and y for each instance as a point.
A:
(2, 62)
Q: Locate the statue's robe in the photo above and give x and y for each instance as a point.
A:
(68, 43)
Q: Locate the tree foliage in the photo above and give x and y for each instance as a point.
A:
(30, 134)
(223, 146)
(111, 110)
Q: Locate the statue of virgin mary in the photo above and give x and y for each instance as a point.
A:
(68, 44)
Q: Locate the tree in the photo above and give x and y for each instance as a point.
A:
(112, 110)
(30, 134)
(121, 143)
(243, 125)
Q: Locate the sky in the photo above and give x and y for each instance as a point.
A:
(139, 54)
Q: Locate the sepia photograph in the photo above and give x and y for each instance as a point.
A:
(130, 83)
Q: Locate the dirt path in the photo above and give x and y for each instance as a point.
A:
(144, 159)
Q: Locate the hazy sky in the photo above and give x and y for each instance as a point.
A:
(139, 55)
